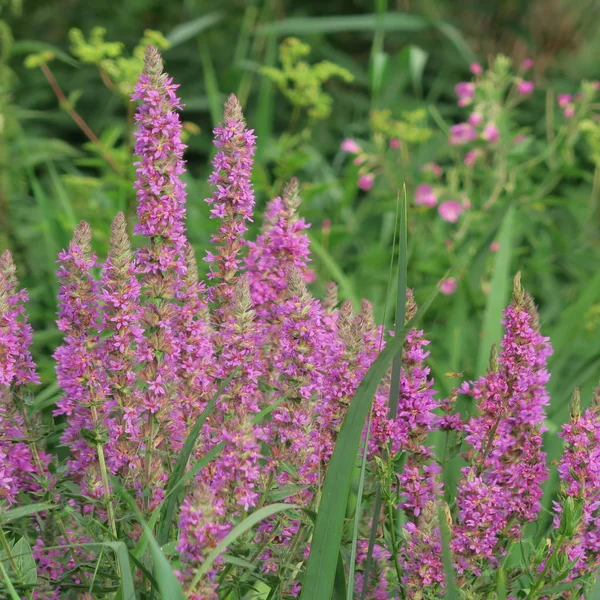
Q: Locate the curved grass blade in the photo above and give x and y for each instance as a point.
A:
(9, 586)
(25, 511)
(182, 460)
(236, 532)
(499, 293)
(187, 31)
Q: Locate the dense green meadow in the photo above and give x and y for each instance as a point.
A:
(460, 140)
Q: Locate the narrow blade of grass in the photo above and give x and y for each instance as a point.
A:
(9, 586)
(449, 575)
(187, 31)
(25, 511)
(210, 82)
(182, 461)
(499, 293)
(241, 528)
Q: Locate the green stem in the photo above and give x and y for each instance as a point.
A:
(11, 560)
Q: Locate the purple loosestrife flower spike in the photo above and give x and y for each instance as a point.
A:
(580, 481)
(232, 200)
(121, 346)
(501, 487)
(161, 211)
(281, 245)
(20, 460)
(79, 364)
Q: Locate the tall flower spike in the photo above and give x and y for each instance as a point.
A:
(282, 245)
(232, 200)
(20, 460)
(501, 487)
(79, 365)
(580, 481)
(160, 191)
(122, 345)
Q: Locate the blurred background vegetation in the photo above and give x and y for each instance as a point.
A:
(67, 68)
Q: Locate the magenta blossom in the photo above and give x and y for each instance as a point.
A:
(475, 119)
(395, 143)
(351, 146)
(462, 133)
(525, 88)
(527, 63)
(471, 157)
(365, 182)
(450, 210)
(465, 92)
(448, 286)
(490, 133)
(476, 68)
(425, 196)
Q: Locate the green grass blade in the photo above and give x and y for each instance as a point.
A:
(211, 84)
(187, 31)
(168, 584)
(266, 93)
(499, 293)
(25, 511)
(451, 592)
(346, 288)
(9, 586)
(241, 528)
(182, 461)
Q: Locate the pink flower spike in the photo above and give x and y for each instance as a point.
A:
(425, 196)
(450, 210)
(564, 100)
(365, 182)
(527, 63)
(351, 146)
(475, 119)
(476, 68)
(495, 246)
(448, 286)
(490, 133)
(525, 88)
(462, 134)
(395, 143)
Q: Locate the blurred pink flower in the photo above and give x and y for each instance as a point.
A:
(448, 286)
(462, 134)
(450, 210)
(525, 88)
(569, 111)
(465, 90)
(395, 143)
(476, 68)
(351, 146)
(425, 196)
(527, 63)
(432, 168)
(518, 139)
(359, 160)
(495, 246)
(365, 182)
(564, 100)
(475, 119)
(471, 157)
(490, 133)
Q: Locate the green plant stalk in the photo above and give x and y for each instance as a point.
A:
(11, 559)
(540, 580)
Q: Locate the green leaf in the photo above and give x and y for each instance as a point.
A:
(25, 562)
(498, 296)
(211, 84)
(236, 532)
(417, 61)
(187, 31)
(25, 511)
(9, 585)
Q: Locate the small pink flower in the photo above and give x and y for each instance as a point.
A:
(569, 111)
(525, 88)
(564, 100)
(495, 246)
(490, 133)
(465, 91)
(351, 146)
(425, 196)
(450, 210)
(462, 134)
(596, 85)
(527, 63)
(471, 157)
(475, 119)
(359, 160)
(432, 168)
(448, 286)
(476, 68)
(365, 182)
(395, 143)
